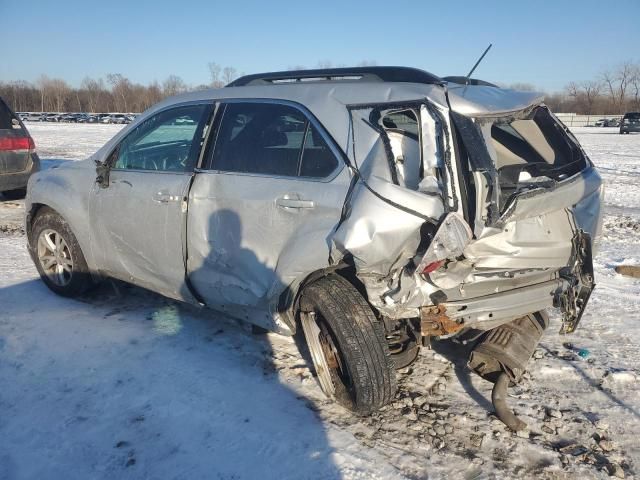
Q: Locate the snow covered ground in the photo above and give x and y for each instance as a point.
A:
(126, 384)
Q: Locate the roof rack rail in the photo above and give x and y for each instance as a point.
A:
(468, 81)
(364, 74)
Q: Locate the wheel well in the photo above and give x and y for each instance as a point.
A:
(36, 209)
(289, 299)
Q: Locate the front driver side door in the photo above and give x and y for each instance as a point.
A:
(139, 218)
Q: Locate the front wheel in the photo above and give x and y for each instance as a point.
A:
(57, 255)
(347, 345)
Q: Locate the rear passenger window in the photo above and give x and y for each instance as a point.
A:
(317, 159)
(270, 139)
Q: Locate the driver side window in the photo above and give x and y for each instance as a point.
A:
(168, 141)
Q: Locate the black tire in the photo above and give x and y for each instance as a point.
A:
(363, 375)
(80, 279)
(16, 194)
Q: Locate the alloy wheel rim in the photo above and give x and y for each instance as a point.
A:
(54, 256)
(323, 352)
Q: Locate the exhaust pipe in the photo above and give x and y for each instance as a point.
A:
(501, 357)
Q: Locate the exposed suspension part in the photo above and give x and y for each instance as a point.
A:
(403, 340)
(501, 357)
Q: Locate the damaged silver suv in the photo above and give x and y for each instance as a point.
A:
(372, 208)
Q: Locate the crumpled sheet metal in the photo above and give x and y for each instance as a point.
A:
(565, 194)
(540, 241)
(378, 235)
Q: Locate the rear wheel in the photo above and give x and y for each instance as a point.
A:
(58, 257)
(347, 345)
(16, 194)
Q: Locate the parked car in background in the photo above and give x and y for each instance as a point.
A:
(88, 118)
(119, 118)
(18, 157)
(52, 117)
(606, 122)
(630, 123)
(372, 208)
(70, 117)
(33, 117)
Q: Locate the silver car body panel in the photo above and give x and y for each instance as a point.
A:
(243, 252)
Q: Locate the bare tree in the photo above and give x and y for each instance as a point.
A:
(20, 91)
(366, 63)
(229, 74)
(60, 91)
(585, 93)
(153, 95)
(43, 86)
(591, 91)
(617, 83)
(173, 85)
(634, 84)
(214, 72)
(93, 88)
(120, 86)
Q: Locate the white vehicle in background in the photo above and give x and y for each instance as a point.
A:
(33, 117)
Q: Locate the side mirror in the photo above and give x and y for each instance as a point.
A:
(102, 171)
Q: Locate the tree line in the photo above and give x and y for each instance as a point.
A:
(114, 93)
(615, 91)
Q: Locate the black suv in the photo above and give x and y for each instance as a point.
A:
(630, 123)
(18, 158)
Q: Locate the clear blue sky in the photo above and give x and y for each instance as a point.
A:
(545, 43)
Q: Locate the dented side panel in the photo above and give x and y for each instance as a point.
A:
(246, 247)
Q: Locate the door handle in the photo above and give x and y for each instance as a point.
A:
(165, 197)
(287, 202)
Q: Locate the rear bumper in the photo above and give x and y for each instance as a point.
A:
(569, 292)
(14, 181)
(490, 311)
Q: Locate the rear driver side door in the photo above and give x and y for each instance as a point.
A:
(261, 209)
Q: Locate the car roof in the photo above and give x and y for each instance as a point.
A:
(338, 87)
(326, 93)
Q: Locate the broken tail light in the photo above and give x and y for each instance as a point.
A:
(449, 241)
